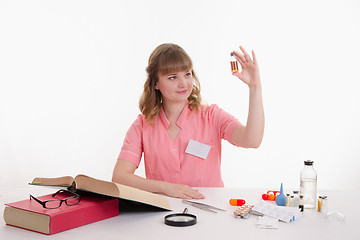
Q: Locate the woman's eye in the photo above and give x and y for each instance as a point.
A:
(172, 78)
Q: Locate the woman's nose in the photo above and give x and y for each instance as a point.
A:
(182, 82)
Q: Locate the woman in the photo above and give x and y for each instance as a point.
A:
(179, 137)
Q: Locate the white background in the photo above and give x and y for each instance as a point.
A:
(71, 74)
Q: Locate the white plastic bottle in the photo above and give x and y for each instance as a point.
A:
(308, 184)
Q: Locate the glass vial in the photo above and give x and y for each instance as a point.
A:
(324, 205)
(292, 203)
(296, 198)
(319, 204)
(308, 184)
(234, 63)
(288, 199)
(301, 203)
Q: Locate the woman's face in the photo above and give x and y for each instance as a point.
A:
(175, 87)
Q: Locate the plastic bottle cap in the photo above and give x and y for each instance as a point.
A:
(308, 162)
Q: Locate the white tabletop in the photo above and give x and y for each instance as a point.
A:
(221, 225)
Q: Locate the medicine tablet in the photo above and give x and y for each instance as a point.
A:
(237, 202)
(243, 210)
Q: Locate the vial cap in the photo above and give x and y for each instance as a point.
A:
(232, 54)
(308, 162)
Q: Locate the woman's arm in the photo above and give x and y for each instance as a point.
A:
(124, 174)
(250, 135)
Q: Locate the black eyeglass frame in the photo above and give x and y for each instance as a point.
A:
(43, 203)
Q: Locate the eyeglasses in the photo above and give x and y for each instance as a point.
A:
(56, 203)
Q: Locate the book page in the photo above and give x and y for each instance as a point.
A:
(121, 191)
(98, 186)
(26, 219)
(60, 181)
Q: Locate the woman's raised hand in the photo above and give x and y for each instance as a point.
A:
(249, 74)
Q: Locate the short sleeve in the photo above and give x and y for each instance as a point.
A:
(132, 148)
(225, 122)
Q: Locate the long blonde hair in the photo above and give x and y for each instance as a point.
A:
(166, 58)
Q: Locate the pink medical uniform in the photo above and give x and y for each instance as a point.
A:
(166, 159)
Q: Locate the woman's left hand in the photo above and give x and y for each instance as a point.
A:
(249, 74)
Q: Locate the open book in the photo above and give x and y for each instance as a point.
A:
(85, 183)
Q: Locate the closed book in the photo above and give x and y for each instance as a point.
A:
(29, 214)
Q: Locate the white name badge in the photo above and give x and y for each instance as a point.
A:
(198, 149)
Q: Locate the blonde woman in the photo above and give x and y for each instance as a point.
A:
(179, 137)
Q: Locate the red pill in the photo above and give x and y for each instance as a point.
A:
(237, 202)
(265, 196)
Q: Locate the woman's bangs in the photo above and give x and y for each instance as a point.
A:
(175, 62)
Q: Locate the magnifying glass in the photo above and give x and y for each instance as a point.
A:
(180, 219)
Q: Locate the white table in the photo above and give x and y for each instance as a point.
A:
(222, 225)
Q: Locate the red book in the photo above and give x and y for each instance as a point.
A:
(31, 215)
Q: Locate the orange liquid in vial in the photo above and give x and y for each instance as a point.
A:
(234, 66)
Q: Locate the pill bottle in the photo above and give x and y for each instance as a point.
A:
(308, 184)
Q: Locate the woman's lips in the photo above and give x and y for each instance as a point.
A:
(182, 92)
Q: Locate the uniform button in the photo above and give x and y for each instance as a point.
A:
(176, 175)
(174, 149)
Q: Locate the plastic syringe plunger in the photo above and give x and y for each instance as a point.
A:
(281, 198)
